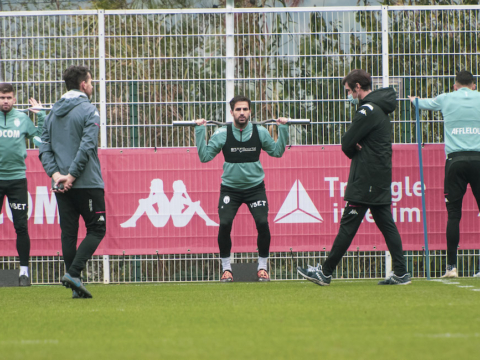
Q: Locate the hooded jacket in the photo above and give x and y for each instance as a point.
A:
(15, 126)
(370, 177)
(70, 141)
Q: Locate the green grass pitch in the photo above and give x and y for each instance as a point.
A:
(278, 320)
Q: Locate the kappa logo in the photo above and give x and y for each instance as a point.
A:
(363, 112)
(353, 212)
(298, 207)
(159, 209)
(101, 218)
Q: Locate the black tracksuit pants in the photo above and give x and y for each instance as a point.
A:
(256, 200)
(461, 168)
(90, 205)
(351, 220)
(17, 193)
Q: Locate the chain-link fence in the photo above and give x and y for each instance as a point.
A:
(152, 67)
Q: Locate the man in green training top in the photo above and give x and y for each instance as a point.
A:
(461, 118)
(15, 126)
(242, 179)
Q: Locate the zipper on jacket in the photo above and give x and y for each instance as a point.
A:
(5, 114)
(241, 132)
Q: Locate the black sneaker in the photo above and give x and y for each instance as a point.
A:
(24, 280)
(315, 275)
(396, 280)
(76, 284)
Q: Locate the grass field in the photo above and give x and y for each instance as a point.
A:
(277, 320)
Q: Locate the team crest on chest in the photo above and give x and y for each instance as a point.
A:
(16, 122)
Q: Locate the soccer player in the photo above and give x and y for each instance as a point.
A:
(242, 179)
(69, 155)
(461, 117)
(367, 142)
(15, 126)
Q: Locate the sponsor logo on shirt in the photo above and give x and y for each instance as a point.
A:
(243, 149)
(465, 131)
(10, 133)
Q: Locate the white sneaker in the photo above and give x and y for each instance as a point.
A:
(477, 274)
(450, 273)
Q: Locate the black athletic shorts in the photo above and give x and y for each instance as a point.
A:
(461, 168)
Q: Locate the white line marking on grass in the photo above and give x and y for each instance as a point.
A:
(449, 335)
(449, 282)
(30, 342)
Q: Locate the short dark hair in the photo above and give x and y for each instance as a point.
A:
(358, 76)
(239, 98)
(74, 75)
(6, 88)
(464, 78)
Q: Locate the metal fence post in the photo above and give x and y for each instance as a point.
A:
(388, 263)
(385, 54)
(385, 83)
(102, 79)
(133, 110)
(106, 269)
(230, 61)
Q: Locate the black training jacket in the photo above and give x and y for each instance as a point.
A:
(370, 176)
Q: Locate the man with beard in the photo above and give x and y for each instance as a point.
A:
(15, 126)
(242, 179)
(69, 155)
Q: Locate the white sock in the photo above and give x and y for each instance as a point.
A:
(23, 270)
(226, 264)
(262, 263)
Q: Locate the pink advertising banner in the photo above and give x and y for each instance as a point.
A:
(166, 201)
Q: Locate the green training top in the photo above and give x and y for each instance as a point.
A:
(15, 126)
(240, 175)
(461, 116)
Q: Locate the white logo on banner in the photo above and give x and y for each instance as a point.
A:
(180, 208)
(298, 207)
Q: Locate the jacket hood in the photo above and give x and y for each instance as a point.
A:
(385, 98)
(69, 100)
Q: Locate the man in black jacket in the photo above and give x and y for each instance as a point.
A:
(367, 143)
